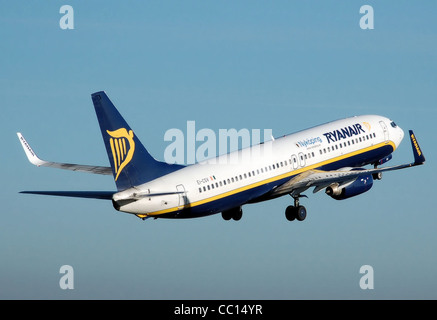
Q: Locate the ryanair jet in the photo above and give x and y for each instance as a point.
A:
(328, 157)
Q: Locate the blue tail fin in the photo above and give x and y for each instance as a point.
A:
(131, 163)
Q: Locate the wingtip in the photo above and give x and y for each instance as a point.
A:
(419, 158)
(31, 155)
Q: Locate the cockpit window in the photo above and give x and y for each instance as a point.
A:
(393, 124)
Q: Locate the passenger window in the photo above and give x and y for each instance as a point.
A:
(200, 190)
(312, 153)
(221, 184)
(204, 189)
(209, 187)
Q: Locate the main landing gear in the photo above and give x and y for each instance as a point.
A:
(234, 213)
(378, 175)
(297, 211)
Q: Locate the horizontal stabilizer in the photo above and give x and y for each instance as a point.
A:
(141, 195)
(33, 158)
(105, 195)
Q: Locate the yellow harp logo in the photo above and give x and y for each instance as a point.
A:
(367, 125)
(123, 147)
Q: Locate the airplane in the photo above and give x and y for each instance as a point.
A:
(326, 157)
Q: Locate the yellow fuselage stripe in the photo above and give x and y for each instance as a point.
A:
(278, 177)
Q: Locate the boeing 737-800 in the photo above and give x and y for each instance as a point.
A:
(327, 157)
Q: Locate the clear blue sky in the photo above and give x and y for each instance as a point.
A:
(282, 65)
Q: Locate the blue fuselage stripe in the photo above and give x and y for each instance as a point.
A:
(245, 196)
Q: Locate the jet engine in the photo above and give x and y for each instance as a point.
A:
(360, 185)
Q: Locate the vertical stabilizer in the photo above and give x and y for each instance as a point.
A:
(131, 163)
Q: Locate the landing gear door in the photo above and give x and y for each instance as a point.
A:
(183, 201)
(384, 129)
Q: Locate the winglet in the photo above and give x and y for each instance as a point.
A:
(31, 155)
(419, 158)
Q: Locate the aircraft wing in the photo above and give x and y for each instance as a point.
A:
(33, 158)
(320, 179)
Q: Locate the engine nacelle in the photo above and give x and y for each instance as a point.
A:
(359, 186)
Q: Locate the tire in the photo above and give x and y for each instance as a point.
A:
(226, 215)
(290, 213)
(377, 176)
(301, 213)
(237, 214)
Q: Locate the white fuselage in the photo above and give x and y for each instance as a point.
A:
(233, 179)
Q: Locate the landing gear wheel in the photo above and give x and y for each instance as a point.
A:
(301, 213)
(226, 215)
(290, 213)
(237, 214)
(377, 176)
(297, 211)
